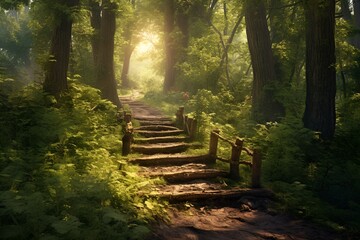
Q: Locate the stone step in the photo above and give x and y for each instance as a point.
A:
(152, 118)
(207, 191)
(160, 148)
(148, 133)
(170, 159)
(157, 122)
(156, 128)
(184, 173)
(166, 139)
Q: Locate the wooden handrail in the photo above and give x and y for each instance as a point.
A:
(248, 151)
(234, 161)
(186, 123)
(189, 125)
(225, 140)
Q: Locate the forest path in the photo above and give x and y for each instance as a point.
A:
(216, 211)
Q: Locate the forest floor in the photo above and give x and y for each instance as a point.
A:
(212, 222)
(245, 218)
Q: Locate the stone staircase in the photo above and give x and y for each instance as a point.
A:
(162, 147)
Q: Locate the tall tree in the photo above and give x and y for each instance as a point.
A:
(170, 48)
(95, 21)
(56, 70)
(128, 49)
(264, 105)
(320, 67)
(106, 76)
(345, 10)
(356, 5)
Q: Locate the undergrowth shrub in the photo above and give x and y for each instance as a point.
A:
(59, 170)
(221, 112)
(284, 146)
(313, 178)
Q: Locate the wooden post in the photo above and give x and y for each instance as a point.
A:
(213, 145)
(186, 128)
(189, 123)
(127, 138)
(180, 118)
(193, 129)
(127, 117)
(235, 158)
(256, 169)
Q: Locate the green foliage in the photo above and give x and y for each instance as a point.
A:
(297, 199)
(168, 102)
(220, 111)
(315, 179)
(13, 4)
(284, 146)
(59, 170)
(15, 41)
(201, 68)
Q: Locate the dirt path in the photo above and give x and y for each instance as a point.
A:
(240, 217)
(214, 223)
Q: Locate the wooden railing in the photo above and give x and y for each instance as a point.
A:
(237, 147)
(189, 125)
(186, 123)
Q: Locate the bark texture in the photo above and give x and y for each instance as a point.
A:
(170, 51)
(106, 76)
(264, 106)
(356, 5)
(95, 21)
(57, 67)
(128, 50)
(320, 67)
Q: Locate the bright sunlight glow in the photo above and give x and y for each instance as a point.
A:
(143, 61)
(144, 47)
(148, 40)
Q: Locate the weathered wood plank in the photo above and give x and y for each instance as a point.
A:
(193, 193)
(173, 159)
(165, 139)
(156, 128)
(160, 148)
(147, 133)
(157, 122)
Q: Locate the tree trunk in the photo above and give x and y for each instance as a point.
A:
(226, 19)
(356, 4)
(320, 67)
(106, 76)
(264, 106)
(276, 16)
(345, 10)
(170, 58)
(128, 50)
(95, 21)
(56, 71)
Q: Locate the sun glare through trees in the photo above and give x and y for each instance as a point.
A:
(273, 85)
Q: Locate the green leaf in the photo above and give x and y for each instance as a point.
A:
(66, 225)
(114, 215)
(139, 232)
(149, 205)
(10, 232)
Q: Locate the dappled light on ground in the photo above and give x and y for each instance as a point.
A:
(230, 223)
